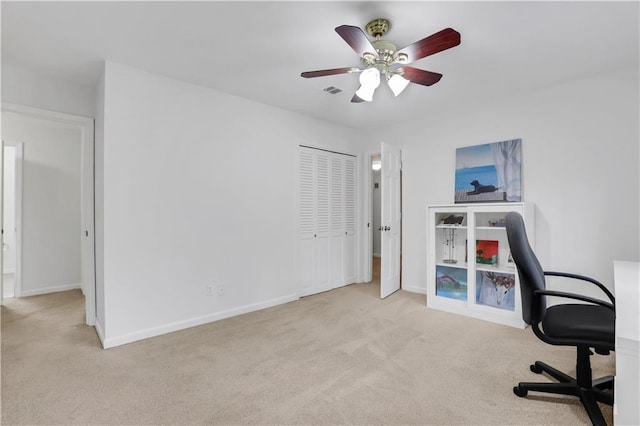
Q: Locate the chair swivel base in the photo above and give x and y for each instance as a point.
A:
(589, 396)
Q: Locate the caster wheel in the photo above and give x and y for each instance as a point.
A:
(520, 392)
(535, 368)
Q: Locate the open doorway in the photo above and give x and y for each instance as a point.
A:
(376, 210)
(57, 206)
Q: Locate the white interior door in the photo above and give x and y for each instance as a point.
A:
(1, 222)
(390, 221)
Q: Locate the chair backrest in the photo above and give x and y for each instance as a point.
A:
(530, 272)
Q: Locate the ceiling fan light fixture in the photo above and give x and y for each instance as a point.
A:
(365, 93)
(370, 78)
(397, 84)
(369, 82)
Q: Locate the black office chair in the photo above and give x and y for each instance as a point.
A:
(584, 326)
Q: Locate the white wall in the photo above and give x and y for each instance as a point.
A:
(199, 190)
(25, 86)
(580, 168)
(51, 202)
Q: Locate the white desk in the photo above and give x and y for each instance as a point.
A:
(626, 408)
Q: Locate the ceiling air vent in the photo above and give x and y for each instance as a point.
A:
(332, 90)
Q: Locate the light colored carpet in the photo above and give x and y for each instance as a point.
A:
(341, 357)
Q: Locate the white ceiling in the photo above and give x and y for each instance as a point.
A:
(257, 50)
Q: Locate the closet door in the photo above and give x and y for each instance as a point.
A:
(322, 223)
(306, 223)
(337, 220)
(350, 211)
(327, 221)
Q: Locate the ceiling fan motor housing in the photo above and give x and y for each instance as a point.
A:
(378, 27)
(385, 57)
(385, 49)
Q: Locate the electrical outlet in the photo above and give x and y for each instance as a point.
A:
(221, 290)
(210, 290)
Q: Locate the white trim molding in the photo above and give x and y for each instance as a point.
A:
(111, 342)
(47, 290)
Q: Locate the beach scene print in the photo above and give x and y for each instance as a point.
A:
(451, 282)
(489, 172)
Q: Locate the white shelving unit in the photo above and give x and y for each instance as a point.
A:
(468, 267)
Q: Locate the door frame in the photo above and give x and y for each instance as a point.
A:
(19, 147)
(87, 182)
(368, 193)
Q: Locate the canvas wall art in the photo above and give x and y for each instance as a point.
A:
(489, 172)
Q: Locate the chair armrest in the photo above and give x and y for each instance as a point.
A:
(576, 297)
(602, 287)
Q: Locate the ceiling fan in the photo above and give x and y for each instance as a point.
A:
(380, 57)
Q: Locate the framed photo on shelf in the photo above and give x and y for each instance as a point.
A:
(495, 289)
(489, 172)
(487, 252)
(451, 282)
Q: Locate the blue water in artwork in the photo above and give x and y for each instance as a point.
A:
(452, 294)
(486, 175)
(451, 282)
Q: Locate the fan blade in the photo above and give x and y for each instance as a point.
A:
(357, 39)
(418, 76)
(333, 71)
(442, 40)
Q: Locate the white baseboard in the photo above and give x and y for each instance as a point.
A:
(9, 271)
(100, 333)
(47, 290)
(414, 289)
(111, 342)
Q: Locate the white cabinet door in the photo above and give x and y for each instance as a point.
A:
(390, 220)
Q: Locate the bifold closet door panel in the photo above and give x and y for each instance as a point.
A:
(350, 219)
(337, 219)
(327, 220)
(306, 224)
